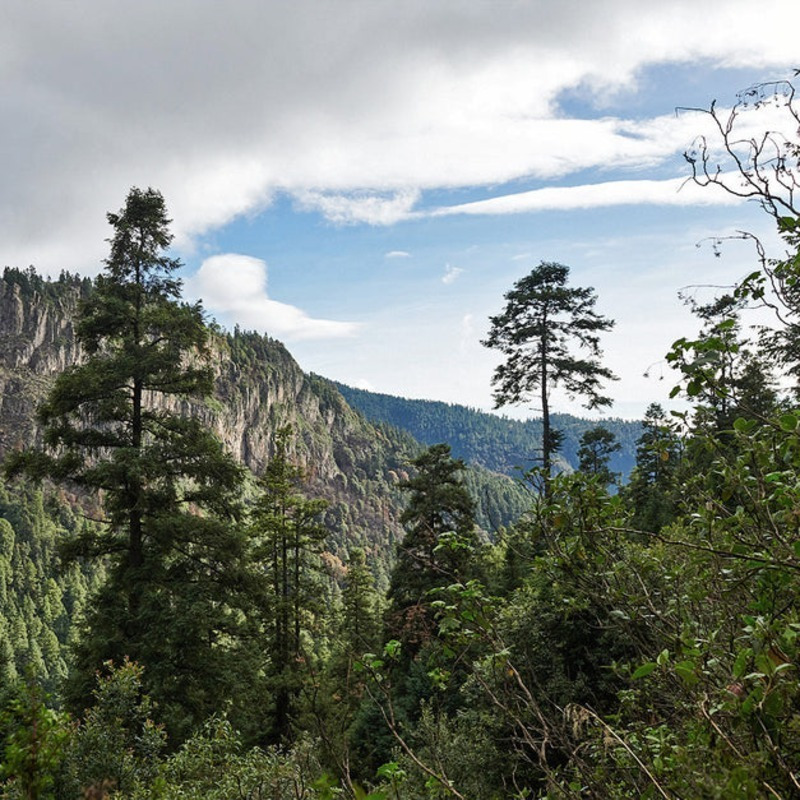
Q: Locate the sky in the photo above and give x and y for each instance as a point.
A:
(364, 180)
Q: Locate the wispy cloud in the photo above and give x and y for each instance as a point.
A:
(673, 192)
(236, 285)
(397, 254)
(451, 274)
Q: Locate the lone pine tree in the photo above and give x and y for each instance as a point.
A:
(169, 490)
(543, 322)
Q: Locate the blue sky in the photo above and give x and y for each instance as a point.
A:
(364, 180)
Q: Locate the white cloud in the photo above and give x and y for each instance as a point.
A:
(675, 192)
(368, 207)
(353, 107)
(236, 286)
(397, 254)
(451, 274)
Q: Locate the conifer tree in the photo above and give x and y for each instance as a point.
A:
(112, 425)
(438, 547)
(653, 483)
(287, 539)
(543, 321)
(360, 604)
(597, 445)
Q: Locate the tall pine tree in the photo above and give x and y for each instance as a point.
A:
(288, 539)
(438, 548)
(544, 322)
(113, 425)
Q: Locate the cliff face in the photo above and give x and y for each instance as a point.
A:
(36, 342)
(259, 389)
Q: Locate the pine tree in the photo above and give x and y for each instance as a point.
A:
(360, 605)
(597, 445)
(653, 483)
(438, 547)
(169, 490)
(287, 539)
(543, 320)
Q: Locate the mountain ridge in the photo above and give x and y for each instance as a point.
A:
(497, 443)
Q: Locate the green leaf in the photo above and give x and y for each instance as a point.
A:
(740, 665)
(788, 422)
(644, 670)
(392, 648)
(773, 704)
(686, 671)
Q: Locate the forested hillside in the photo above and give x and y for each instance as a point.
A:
(258, 388)
(176, 626)
(497, 443)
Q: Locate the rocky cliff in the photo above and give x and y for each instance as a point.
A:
(354, 464)
(36, 342)
(259, 388)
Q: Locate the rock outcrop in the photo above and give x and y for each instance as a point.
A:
(259, 388)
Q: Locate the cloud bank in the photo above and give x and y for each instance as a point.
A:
(351, 108)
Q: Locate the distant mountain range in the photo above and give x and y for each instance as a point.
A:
(497, 443)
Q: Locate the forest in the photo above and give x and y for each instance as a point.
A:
(176, 625)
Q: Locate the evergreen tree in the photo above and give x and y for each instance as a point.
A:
(597, 445)
(438, 546)
(542, 319)
(360, 604)
(112, 425)
(653, 484)
(288, 539)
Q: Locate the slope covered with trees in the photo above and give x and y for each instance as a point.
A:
(497, 443)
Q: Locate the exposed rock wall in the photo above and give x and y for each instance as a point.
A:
(258, 389)
(37, 341)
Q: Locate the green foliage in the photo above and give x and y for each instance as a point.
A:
(32, 737)
(41, 598)
(169, 490)
(287, 541)
(438, 547)
(214, 765)
(653, 490)
(29, 282)
(597, 445)
(116, 744)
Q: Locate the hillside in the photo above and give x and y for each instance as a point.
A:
(496, 443)
(352, 463)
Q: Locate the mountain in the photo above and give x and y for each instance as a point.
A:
(354, 464)
(496, 443)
